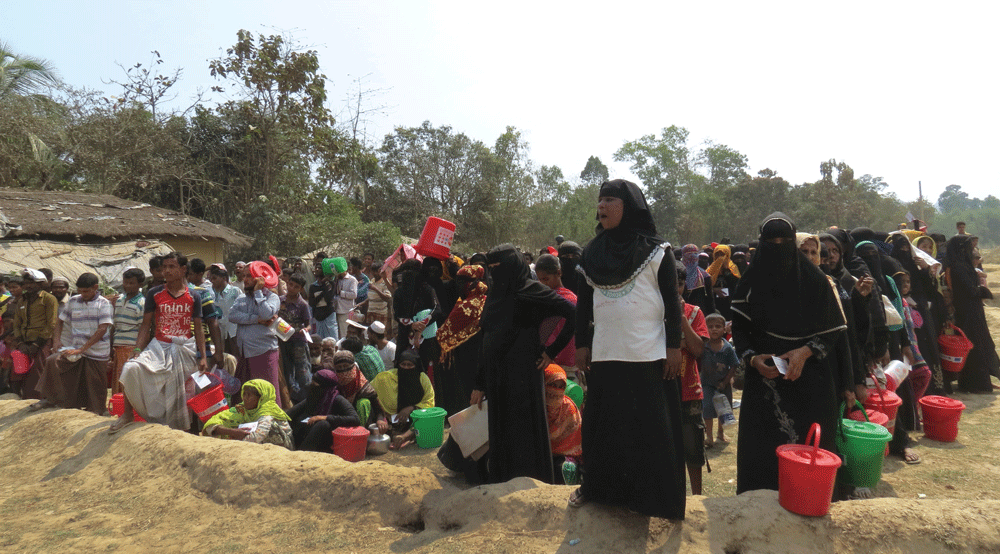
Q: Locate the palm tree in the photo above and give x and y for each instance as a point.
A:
(23, 75)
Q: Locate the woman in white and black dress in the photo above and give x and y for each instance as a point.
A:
(629, 335)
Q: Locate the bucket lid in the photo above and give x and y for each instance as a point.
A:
(865, 430)
(878, 397)
(874, 416)
(351, 431)
(803, 454)
(260, 269)
(942, 402)
(428, 413)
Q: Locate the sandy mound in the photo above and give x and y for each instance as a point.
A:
(67, 485)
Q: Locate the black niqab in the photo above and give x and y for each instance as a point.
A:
(791, 296)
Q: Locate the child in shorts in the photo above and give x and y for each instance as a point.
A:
(718, 367)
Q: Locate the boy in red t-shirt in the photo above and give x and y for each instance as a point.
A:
(692, 424)
(171, 311)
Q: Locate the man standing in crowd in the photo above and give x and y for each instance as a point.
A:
(76, 377)
(154, 383)
(386, 348)
(225, 296)
(34, 323)
(294, 351)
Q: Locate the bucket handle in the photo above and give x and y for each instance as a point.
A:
(958, 331)
(843, 410)
(813, 438)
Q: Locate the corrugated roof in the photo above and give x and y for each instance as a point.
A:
(84, 217)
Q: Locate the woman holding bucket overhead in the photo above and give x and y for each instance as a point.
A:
(632, 417)
(511, 371)
(785, 307)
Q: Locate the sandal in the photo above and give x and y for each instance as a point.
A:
(41, 405)
(576, 499)
(911, 457)
(119, 425)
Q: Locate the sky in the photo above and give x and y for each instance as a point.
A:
(902, 90)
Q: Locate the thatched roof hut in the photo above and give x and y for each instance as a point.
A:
(83, 217)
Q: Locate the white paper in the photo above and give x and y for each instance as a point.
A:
(201, 379)
(249, 426)
(781, 364)
(725, 291)
(306, 420)
(309, 338)
(470, 429)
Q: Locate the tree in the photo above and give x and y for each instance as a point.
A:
(664, 165)
(953, 199)
(595, 172)
(23, 75)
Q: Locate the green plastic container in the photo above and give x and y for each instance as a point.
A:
(429, 425)
(575, 393)
(862, 446)
(334, 266)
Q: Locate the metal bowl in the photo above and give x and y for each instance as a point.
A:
(378, 444)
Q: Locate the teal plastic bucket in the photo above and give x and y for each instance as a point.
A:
(429, 426)
(862, 446)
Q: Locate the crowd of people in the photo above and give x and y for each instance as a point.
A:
(655, 335)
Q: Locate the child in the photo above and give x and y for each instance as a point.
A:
(549, 272)
(129, 311)
(692, 428)
(718, 367)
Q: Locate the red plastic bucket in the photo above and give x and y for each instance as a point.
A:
(806, 476)
(22, 362)
(209, 402)
(116, 407)
(436, 238)
(941, 417)
(350, 443)
(953, 349)
(887, 402)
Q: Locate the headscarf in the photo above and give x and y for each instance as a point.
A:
(563, 416)
(720, 262)
(874, 259)
(239, 414)
(616, 256)
(410, 290)
(463, 321)
(349, 382)
(839, 271)
(959, 257)
(696, 276)
(791, 297)
(801, 238)
(916, 242)
(411, 391)
(326, 392)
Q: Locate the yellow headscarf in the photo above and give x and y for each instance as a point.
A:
(722, 261)
(239, 414)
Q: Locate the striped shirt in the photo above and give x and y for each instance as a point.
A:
(84, 318)
(128, 318)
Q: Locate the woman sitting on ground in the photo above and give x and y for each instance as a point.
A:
(323, 410)
(258, 407)
(564, 420)
(352, 384)
(400, 391)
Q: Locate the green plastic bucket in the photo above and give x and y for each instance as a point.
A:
(862, 446)
(429, 425)
(334, 266)
(575, 393)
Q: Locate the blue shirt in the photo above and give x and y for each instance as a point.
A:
(252, 338)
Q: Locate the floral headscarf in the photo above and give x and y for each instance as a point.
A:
(563, 416)
(463, 321)
(695, 275)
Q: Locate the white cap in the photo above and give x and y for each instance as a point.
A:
(353, 323)
(377, 327)
(34, 275)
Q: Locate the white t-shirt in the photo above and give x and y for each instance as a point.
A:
(388, 354)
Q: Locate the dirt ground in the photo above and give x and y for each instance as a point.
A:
(67, 486)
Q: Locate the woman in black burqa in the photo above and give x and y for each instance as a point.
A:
(511, 373)
(414, 295)
(784, 306)
(967, 299)
(632, 443)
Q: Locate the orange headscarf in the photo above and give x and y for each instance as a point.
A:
(719, 262)
(564, 418)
